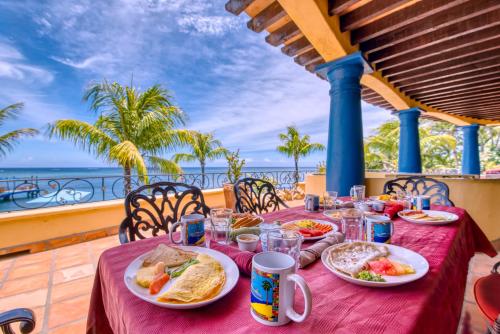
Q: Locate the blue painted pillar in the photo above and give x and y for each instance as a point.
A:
(470, 154)
(409, 160)
(345, 165)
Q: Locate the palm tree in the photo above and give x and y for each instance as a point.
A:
(204, 147)
(297, 146)
(7, 140)
(132, 127)
(266, 286)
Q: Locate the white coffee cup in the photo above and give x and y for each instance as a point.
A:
(273, 289)
(192, 230)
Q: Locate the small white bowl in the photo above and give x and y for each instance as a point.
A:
(247, 242)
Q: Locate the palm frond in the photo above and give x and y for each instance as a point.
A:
(164, 165)
(126, 154)
(8, 140)
(186, 157)
(10, 112)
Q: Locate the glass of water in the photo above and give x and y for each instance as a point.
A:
(352, 224)
(285, 241)
(221, 225)
(358, 193)
(329, 199)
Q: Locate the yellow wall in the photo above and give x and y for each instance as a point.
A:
(480, 197)
(31, 226)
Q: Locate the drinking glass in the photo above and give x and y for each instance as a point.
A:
(352, 224)
(285, 241)
(358, 193)
(221, 223)
(329, 199)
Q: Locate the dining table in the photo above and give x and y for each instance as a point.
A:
(431, 304)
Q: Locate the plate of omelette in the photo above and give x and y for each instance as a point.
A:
(181, 277)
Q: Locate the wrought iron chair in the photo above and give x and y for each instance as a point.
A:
(420, 185)
(24, 316)
(151, 208)
(256, 196)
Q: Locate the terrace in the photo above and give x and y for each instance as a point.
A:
(430, 59)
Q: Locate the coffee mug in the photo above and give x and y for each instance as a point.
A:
(273, 289)
(192, 230)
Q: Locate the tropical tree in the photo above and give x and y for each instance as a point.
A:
(296, 146)
(267, 287)
(133, 128)
(381, 149)
(204, 147)
(234, 165)
(9, 139)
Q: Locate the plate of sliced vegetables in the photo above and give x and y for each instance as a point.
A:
(311, 229)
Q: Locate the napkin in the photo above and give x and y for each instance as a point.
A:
(391, 209)
(243, 259)
(312, 253)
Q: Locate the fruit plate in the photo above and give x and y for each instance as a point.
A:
(447, 217)
(334, 227)
(397, 253)
(230, 268)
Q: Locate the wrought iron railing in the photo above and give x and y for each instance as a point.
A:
(34, 192)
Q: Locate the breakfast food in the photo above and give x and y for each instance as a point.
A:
(199, 282)
(420, 215)
(146, 275)
(245, 220)
(351, 258)
(309, 228)
(170, 256)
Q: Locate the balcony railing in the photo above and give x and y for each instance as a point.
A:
(34, 192)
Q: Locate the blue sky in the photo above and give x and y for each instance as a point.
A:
(225, 77)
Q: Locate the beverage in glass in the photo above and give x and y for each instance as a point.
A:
(221, 223)
(358, 193)
(285, 241)
(352, 224)
(329, 199)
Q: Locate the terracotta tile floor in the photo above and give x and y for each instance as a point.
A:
(56, 284)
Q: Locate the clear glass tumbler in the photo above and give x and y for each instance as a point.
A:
(221, 225)
(329, 199)
(285, 241)
(352, 224)
(358, 193)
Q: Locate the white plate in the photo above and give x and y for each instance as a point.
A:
(449, 217)
(334, 227)
(328, 212)
(232, 276)
(398, 254)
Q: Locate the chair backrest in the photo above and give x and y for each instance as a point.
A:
(420, 185)
(256, 196)
(150, 209)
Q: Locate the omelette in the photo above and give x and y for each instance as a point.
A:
(351, 258)
(199, 282)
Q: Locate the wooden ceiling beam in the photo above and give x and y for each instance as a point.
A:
(404, 17)
(451, 49)
(455, 66)
(446, 86)
(452, 17)
(434, 38)
(312, 67)
(489, 117)
(484, 99)
(448, 79)
(283, 34)
(270, 15)
(372, 12)
(236, 7)
(307, 58)
(473, 106)
(451, 90)
(464, 96)
(457, 93)
(297, 47)
(341, 7)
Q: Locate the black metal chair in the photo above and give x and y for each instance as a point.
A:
(151, 208)
(256, 196)
(420, 185)
(24, 316)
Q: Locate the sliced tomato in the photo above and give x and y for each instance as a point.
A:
(316, 233)
(158, 282)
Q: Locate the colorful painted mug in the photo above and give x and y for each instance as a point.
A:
(273, 289)
(192, 230)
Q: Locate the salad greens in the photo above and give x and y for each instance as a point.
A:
(365, 275)
(178, 272)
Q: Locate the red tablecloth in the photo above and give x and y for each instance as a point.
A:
(429, 305)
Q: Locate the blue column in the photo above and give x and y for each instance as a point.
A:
(409, 160)
(470, 154)
(345, 165)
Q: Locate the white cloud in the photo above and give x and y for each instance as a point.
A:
(13, 66)
(86, 63)
(211, 25)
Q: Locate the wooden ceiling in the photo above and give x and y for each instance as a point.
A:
(442, 53)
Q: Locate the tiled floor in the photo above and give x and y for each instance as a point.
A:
(56, 284)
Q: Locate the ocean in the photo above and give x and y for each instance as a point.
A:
(31, 188)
